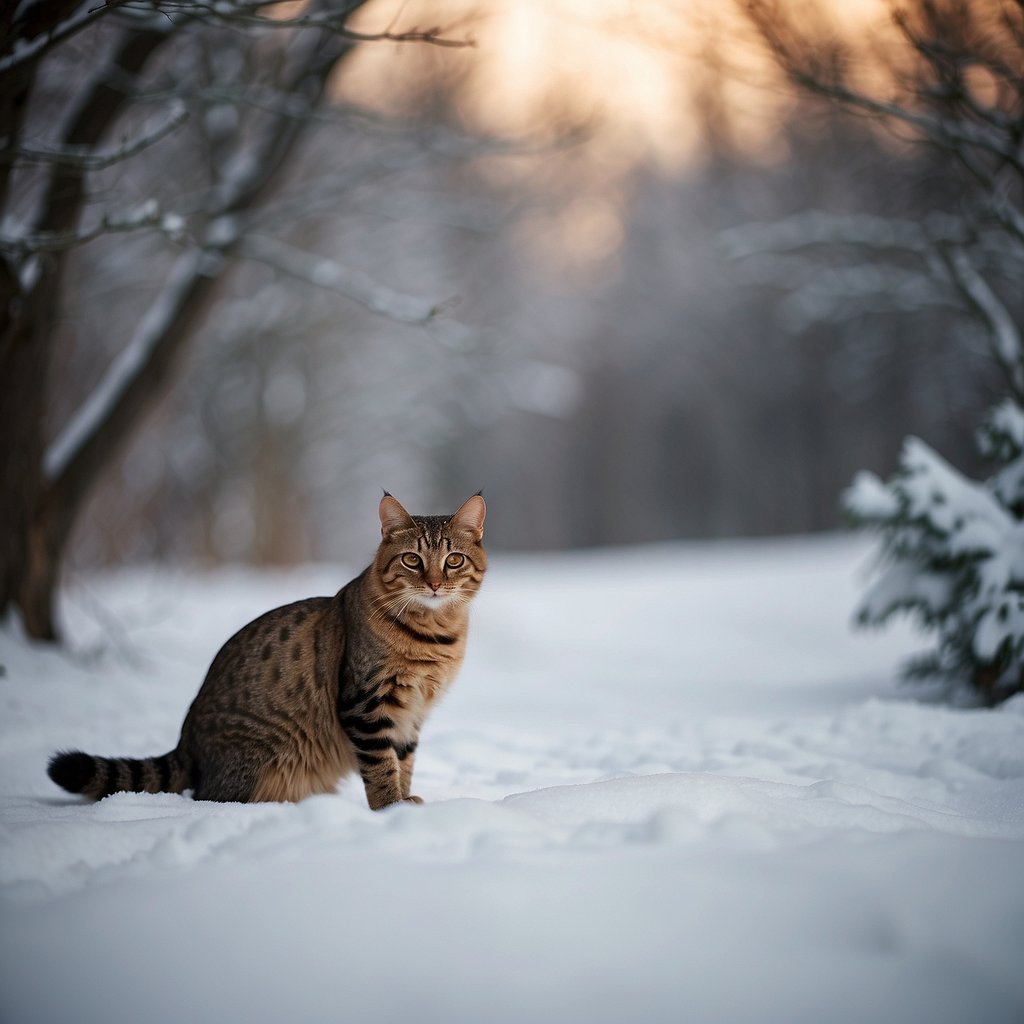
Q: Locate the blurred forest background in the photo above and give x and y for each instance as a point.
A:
(509, 266)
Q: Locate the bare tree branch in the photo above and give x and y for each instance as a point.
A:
(83, 158)
(1007, 346)
(814, 228)
(50, 30)
(825, 78)
(356, 285)
(101, 104)
(936, 51)
(248, 159)
(48, 27)
(254, 14)
(943, 246)
(93, 433)
(969, 252)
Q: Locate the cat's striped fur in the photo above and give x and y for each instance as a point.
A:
(310, 692)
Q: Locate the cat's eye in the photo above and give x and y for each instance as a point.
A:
(411, 561)
(453, 561)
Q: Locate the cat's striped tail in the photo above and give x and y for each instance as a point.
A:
(97, 777)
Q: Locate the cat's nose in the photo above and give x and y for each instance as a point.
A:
(435, 587)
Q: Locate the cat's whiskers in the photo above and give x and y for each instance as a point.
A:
(385, 604)
(394, 606)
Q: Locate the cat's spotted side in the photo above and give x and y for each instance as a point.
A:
(325, 687)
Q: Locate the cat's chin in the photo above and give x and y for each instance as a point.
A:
(436, 602)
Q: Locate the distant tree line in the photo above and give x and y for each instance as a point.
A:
(655, 357)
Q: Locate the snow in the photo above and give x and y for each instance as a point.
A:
(907, 585)
(173, 225)
(947, 500)
(1007, 419)
(954, 552)
(670, 784)
(869, 498)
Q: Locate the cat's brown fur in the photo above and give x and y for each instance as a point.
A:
(325, 687)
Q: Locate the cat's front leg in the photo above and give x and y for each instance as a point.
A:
(381, 777)
(406, 760)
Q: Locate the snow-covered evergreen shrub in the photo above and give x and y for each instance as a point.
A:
(954, 557)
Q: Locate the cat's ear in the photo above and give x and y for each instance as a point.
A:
(393, 517)
(470, 516)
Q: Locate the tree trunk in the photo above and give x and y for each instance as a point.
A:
(24, 364)
(33, 528)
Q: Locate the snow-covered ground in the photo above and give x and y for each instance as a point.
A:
(670, 785)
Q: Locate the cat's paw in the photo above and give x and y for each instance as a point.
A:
(412, 799)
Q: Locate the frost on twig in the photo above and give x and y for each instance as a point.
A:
(146, 215)
(125, 368)
(327, 273)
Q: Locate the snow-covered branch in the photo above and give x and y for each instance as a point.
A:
(125, 368)
(147, 215)
(1006, 336)
(839, 293)
(1006, 212)
(814, 228)
(941, 247)
(135, 376)
(327, 273)
(926, 240)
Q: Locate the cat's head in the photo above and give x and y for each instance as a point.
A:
(431, 561)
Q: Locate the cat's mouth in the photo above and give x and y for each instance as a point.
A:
(435, 598)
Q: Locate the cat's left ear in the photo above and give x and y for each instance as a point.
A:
(393, 516)
(470, 516)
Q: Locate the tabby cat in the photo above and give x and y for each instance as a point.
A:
(328, 686)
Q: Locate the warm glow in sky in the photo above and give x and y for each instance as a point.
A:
(635, 67)
(649, 80)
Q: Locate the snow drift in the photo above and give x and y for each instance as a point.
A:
(669, 785)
